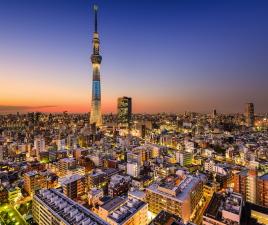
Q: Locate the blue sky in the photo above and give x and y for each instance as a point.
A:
(173, 56)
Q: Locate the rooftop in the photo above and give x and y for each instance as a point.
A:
(126, 210)
(71, 179)
(117, 179)
(166, 218)
(113, 203)
(67, 160)
(177, 191)
(225, 207)
(31, 173)
(70, 212)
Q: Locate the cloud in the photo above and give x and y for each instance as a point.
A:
(8, 108)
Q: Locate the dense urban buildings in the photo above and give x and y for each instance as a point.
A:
(179, 170)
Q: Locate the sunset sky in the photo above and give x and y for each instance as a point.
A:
(169, 56)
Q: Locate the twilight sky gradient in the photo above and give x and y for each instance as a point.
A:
(173, 56)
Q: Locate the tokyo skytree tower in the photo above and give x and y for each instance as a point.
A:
(95, 114)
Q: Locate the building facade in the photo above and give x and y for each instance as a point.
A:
(175, 195)
(74, 186)
(33, 181)
(249, 114)
(262, 187)
(124, 111)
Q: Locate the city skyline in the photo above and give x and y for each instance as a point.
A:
(175, 57)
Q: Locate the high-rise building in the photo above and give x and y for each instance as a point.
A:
(52, 207)
(95, 114)
(124, 111)
(249, 114)
(214, 113)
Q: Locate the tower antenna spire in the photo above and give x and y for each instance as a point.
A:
(95, 7)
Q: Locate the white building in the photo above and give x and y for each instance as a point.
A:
(211, 166)
(61, 144)
(133, 169)
(39, 145)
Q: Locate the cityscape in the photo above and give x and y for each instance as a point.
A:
(184, 149)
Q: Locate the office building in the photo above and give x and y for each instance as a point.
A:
(176, 195)
(124, 111)
(50, 207)
(214, 113)
(249, 114)
(95, 114)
